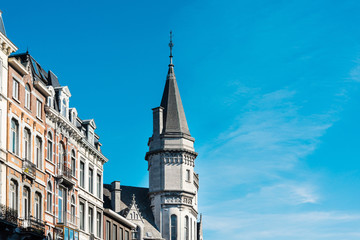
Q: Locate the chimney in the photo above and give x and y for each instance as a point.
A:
(157, 120)
(115, 196)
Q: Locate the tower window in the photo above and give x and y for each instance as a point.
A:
(188, 175)
(186, 228)
(173, 227)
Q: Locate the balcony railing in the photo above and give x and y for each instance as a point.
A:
(65, 174)
(8, 214)
(29, 168)
(67, 219)
(32, 224)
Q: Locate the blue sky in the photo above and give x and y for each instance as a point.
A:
(270, 90)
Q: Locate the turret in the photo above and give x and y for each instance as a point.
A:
(171, 161)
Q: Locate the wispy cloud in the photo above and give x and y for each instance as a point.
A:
(259, 160)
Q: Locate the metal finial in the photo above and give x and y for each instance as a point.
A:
(171, 45)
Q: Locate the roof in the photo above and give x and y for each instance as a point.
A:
(2, 26)
(174, 115)
(143, 205)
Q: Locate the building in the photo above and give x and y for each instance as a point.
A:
(116, 227)
(8, 216)
(26, 177)
(168, 209)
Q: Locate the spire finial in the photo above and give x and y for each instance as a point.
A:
(171, 45)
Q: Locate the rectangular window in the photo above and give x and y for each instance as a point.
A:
(108, 231)
(14, 144)
(114, 232)
(38, 108)
(98, 224)
(60, 208)
(91, 182)
(188, 175)
(82, 216)
(127, 235)
(91, 222)
(15, 89)
(82, 174)
(98, 185)
(121, 233)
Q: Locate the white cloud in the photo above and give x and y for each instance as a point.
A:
(254, 172)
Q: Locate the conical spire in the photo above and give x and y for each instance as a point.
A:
(2, 26)
(174, 115)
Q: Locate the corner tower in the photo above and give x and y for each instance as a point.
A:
(173, 184)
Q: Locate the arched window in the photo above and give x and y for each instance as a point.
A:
(26, 203)
(14, 195)
(38, 151)
(27, 96)
(190, 231)
(186, 228)
(14, 143)
(49, 147)
(27, 144)
(49, 197)
(173, 227)
(38, 206)
(73, 163)
(73, 209)
(63, 107)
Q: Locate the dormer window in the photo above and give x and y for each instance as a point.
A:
(63, 107)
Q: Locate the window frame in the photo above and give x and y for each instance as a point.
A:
(82, 174)
(38, 152)
(15, 90)
(49, 154)
(14, 137)
(27, 96)
(49, 196)
(38, 109)
(73, 163)
(82, 215)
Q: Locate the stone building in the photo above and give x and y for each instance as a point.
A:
(168, 209)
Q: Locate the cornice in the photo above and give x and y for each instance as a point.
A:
(173, 150)
(6, 45)
(63, 123)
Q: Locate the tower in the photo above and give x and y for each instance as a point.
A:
(173, 184)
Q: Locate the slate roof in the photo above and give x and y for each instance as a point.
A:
(143, 204)
(2, 26)
(174, 115)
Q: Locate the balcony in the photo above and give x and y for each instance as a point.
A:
(32, 225)
(8, 215)
(65, 218)
(65, 176)
(29, 169)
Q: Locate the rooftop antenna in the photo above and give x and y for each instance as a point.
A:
(171, 45)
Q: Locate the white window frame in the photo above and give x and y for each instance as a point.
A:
(38, 108)
(27, 97)
(15, 92)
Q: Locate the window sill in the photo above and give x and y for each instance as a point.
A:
(39, 118)
(28, 109)
(17, 100)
